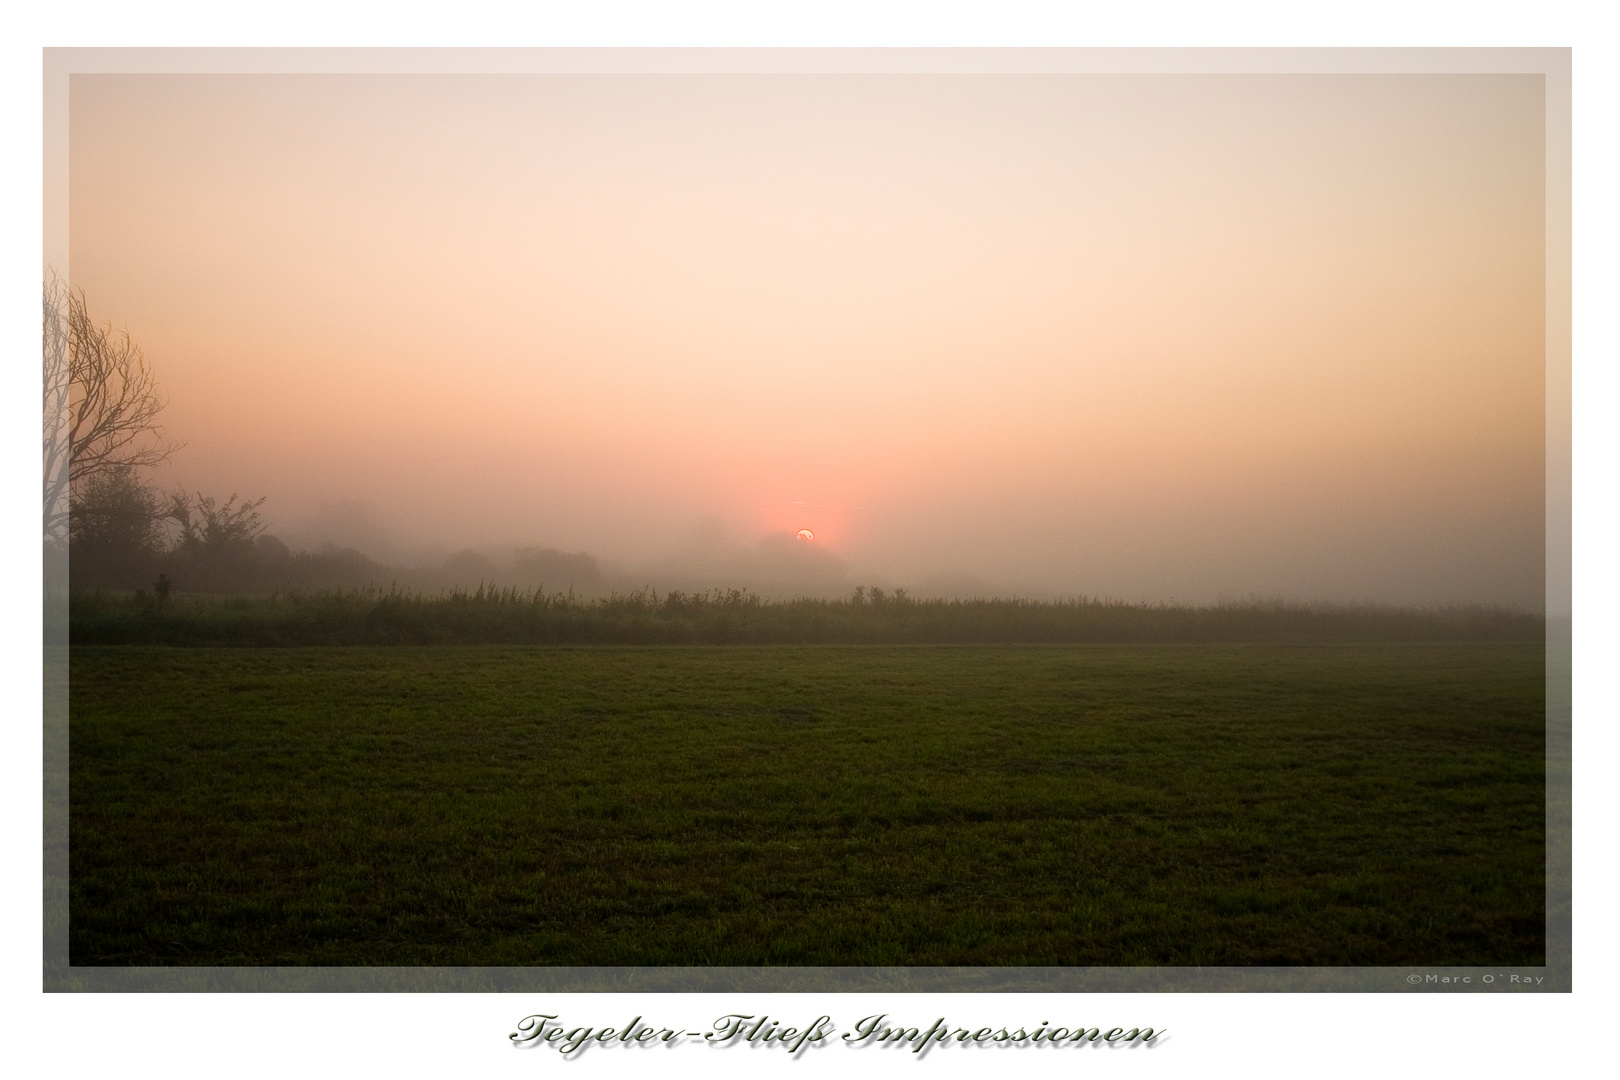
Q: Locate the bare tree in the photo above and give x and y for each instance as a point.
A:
(57, 398)
(101, 404)
(211, 527)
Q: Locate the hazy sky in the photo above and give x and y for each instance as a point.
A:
(1150, 337)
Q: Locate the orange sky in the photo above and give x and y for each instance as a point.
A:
(1151, 337)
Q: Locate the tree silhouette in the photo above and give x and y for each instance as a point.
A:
(115, 531)
(101, 405)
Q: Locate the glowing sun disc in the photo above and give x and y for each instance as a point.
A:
(806, 534)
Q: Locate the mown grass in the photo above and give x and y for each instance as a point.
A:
(534, 617)
(1073, 805)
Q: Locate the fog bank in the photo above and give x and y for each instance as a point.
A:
(1164, 338)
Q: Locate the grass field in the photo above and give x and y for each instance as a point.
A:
(1189, 804)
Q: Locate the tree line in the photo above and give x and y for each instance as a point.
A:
(101, 432)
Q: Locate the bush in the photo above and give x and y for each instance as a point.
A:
(115, 532)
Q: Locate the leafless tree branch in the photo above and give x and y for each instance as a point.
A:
(101, 403)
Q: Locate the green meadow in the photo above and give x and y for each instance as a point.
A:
(1194, 803)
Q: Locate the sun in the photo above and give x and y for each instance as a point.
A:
(806, 534)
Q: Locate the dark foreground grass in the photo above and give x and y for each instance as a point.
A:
(1078, 805)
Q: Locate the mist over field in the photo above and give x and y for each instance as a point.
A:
(1154, 338)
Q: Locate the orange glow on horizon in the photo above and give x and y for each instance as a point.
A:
(1130, 335)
